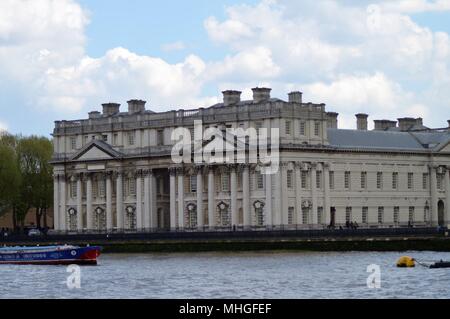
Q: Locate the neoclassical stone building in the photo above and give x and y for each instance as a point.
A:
(114, 171)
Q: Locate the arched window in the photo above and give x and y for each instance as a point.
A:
(191, 215)
(99, 219)
(224, 214)
(259, 213)
(72, 219)
(131, 222)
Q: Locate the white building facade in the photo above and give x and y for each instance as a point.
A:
(114, 172)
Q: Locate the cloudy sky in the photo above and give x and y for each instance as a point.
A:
(60, 59)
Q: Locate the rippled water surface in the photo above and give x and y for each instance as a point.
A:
(233, 275)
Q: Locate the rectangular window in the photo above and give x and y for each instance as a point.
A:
(396, 215)
(394, 180)
(131, 138)
(290, 179)
(160, 137)
(288, 127)
(410, 180)
(115, 139)
(411, 214)
(320, 215)
(380, 215)
(225, 183)
(425, 181)
(73, 189)
(291, 215)
(305, 216)
(379, 180)
(331, 180)
(304, 179)
(348, 214)
(260, 180)
(317, 128)
(318, 179)
(105, 138)
(86, 139)
(302, 128)
(131, 186)
(365, 215)
(439, 179)
(73, 143)
(347, 180)
(193, 184)
(102, 188)
(363, 180)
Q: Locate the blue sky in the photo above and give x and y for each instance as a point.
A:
(60, 59)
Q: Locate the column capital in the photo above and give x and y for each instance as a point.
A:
(198, 169)
(172, 171)
(147, 172)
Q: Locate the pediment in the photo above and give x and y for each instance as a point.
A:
(96, 150)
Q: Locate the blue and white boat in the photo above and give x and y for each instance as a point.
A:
(50, 255)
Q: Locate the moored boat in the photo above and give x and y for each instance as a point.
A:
(50, 255)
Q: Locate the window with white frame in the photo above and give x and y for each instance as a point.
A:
(304, 179)
(395, 180)
(116, 139)
(347, 176)
(225, 183)
(380, 180)
(288, 127)
(131, 186)
(260, 180)
(440, 181)
(73, 143)
(348, 214)
(193, 183)
(305, 215)
(318, 179)
(131, 138)
(291, 215)
(317, 128)
(73, 189)
(320, 215)
(396, 215)
(410, 180)
(290, 179)
(411, 214)
(101, 188)
(365, 215)
(380, 215)
(302, 128)
(425, 181)
(331, 180)
(160, 137)
(363, 180)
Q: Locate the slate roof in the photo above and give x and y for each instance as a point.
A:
(387, 140)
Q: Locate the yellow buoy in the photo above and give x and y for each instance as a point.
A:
(406, 261)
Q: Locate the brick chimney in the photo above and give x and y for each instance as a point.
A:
(136, 106)
(406, 123)
(384, 125)
(110, 109)
(261, 94)
(361, 121)
(231, 97)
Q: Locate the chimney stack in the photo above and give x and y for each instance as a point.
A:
(136, 106)
(406, 123)
(361, 121)
(94, 115)
(296, 97)
(261, 94)
(111, 109)
(384, 125)
(332, 119)
(231, 97)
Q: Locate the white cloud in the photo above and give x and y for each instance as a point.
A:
(174, 46)
(3, 127)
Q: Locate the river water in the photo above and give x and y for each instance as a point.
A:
(233, 275)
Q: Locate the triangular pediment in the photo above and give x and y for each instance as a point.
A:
(96, 150)
(227, 141)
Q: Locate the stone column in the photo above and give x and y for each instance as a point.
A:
(180, 173)
(63, 208)
(284, 195)
(173, 198)
(153, 199)
(278, 211)
(327, 200)
(109, 212)
(246, 196)
(434, 195)
(89, 212)
(211, 198)
(269, 206)
(56, 210)
(233, 188)
(79, 204)
(313, 212)
(298, 192)
(447, 194)
(139, 219)
(119, 201)
(199, 197)
(147, 213)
